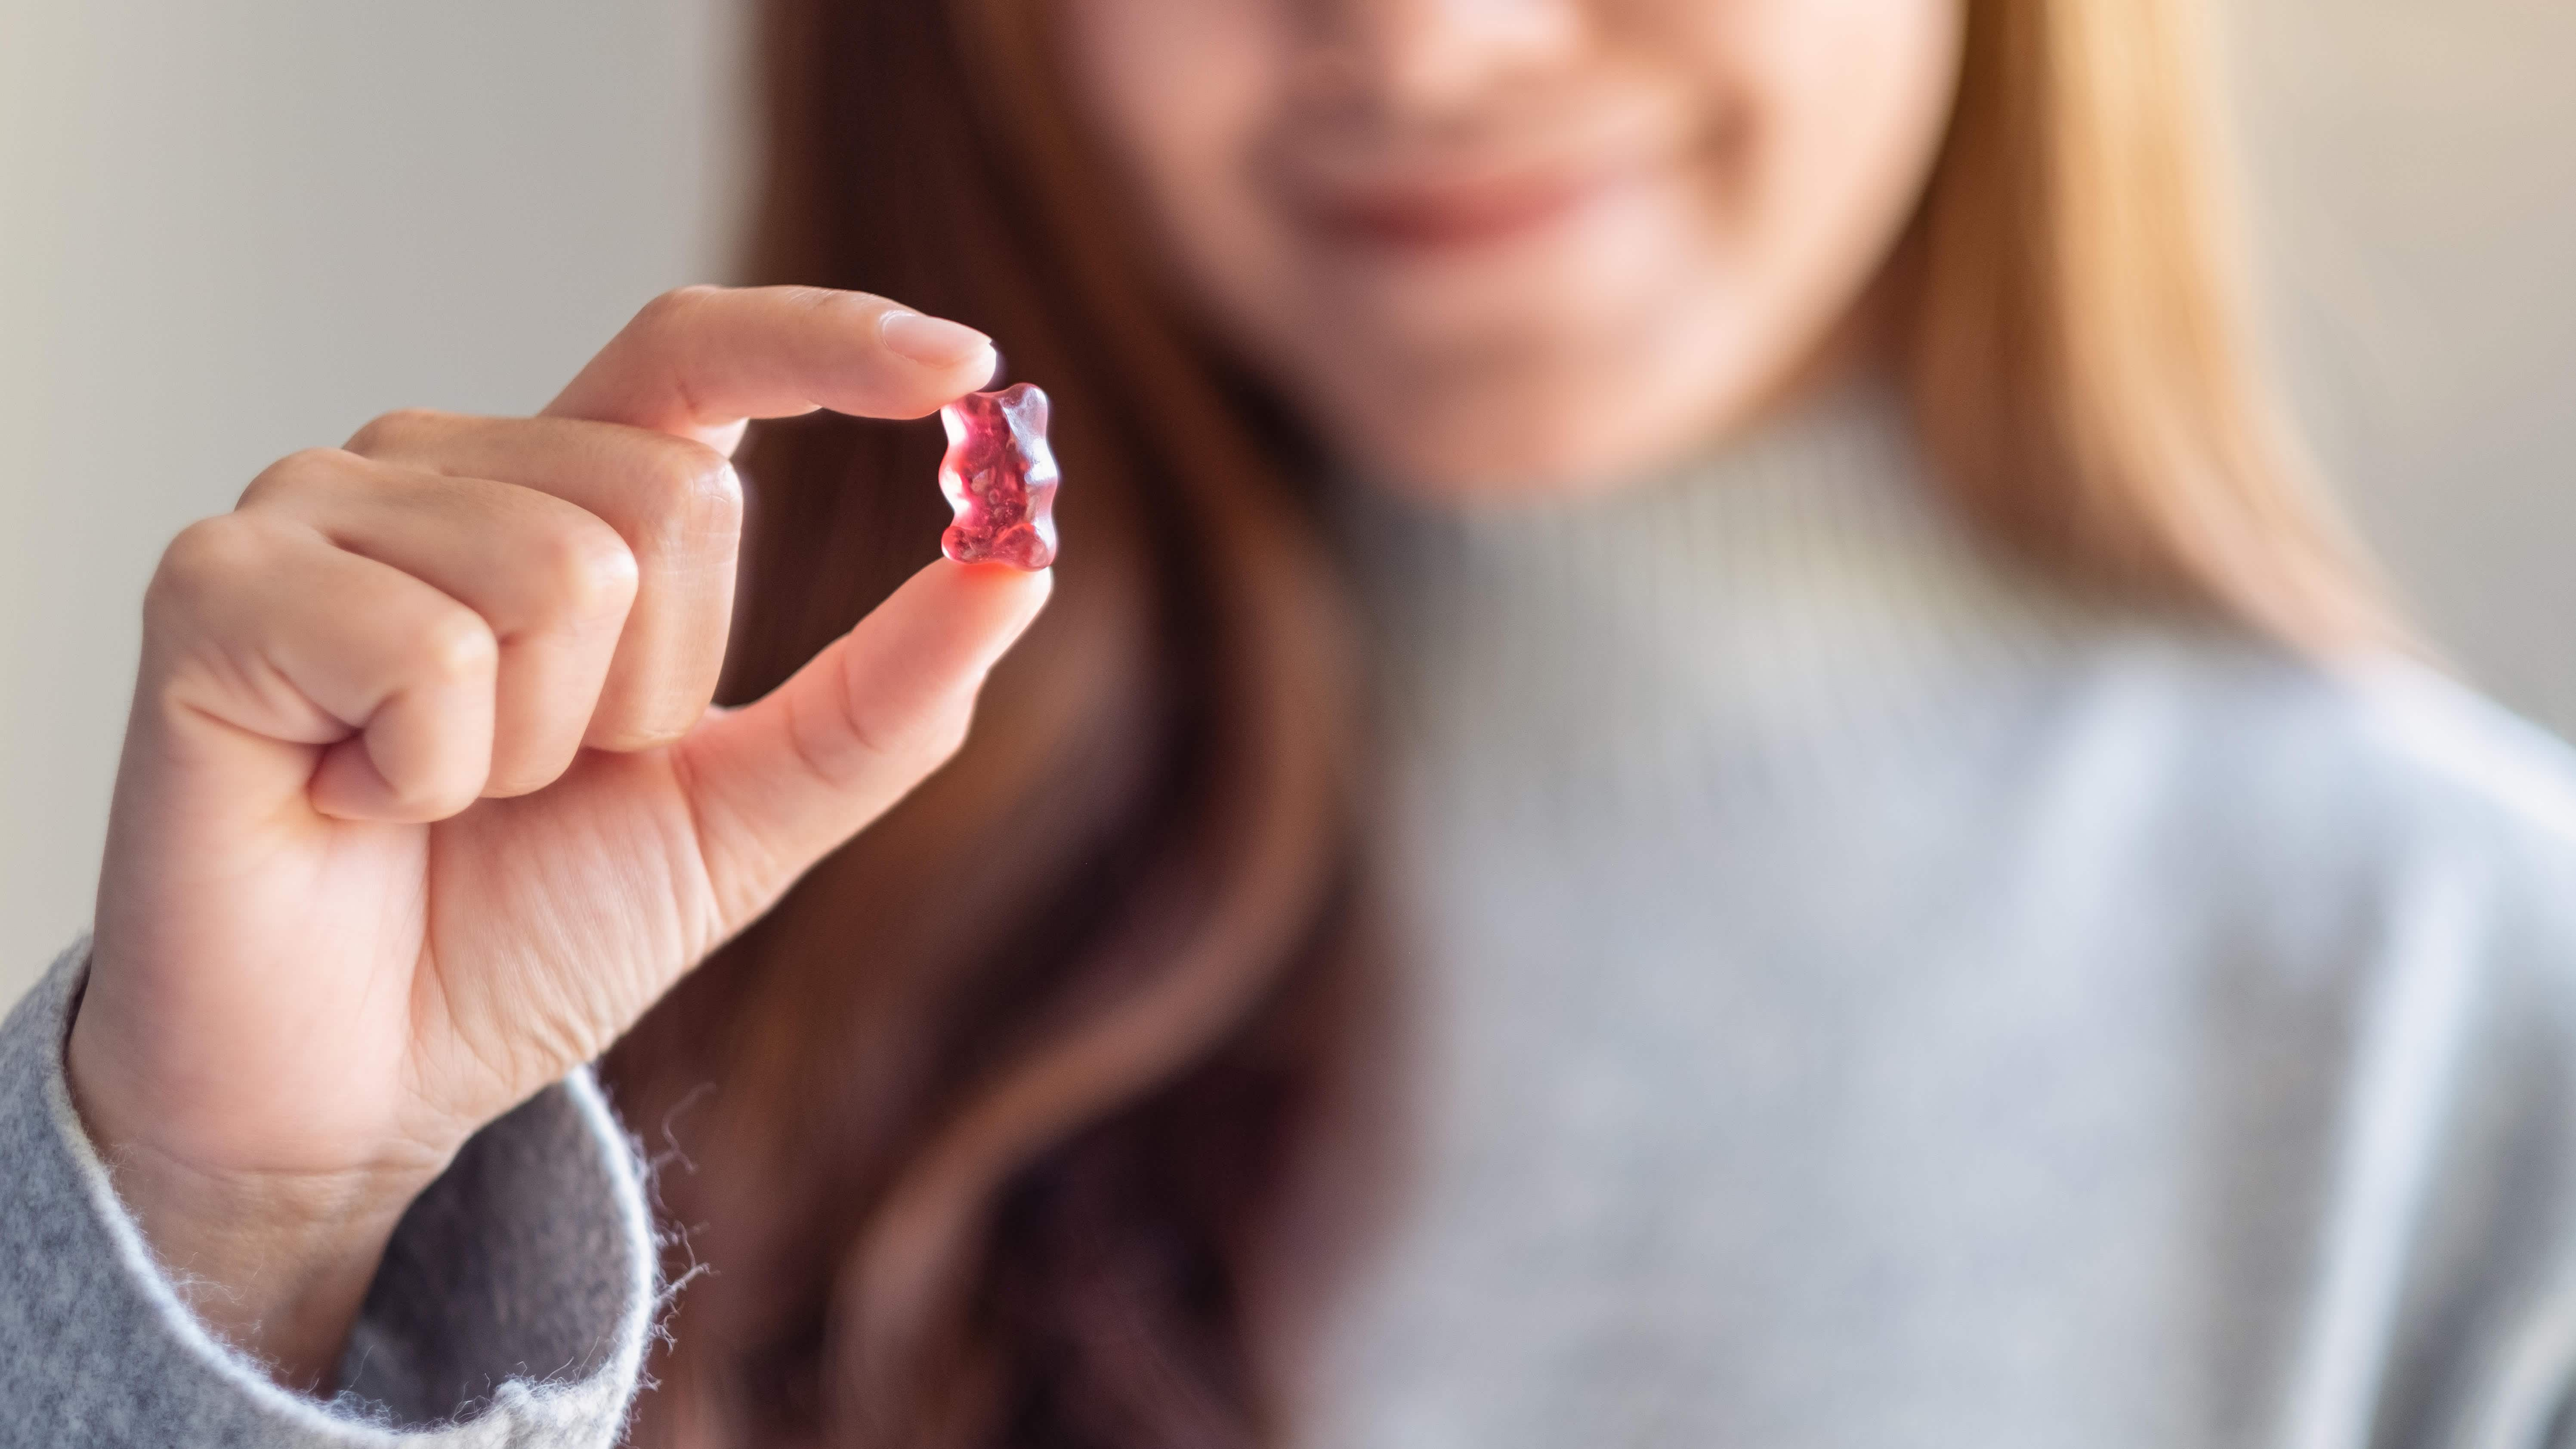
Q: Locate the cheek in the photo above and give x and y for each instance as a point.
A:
(1843, 105)
(1176, 96)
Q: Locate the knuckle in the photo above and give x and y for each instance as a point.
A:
(918, 743)
(672, 305)
(199, 561)
(205, 546)
(588, 570)
(298, 473)
(455, 647)
(393, 431)
(690, 494)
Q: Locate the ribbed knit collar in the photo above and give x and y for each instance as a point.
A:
(1796, 601)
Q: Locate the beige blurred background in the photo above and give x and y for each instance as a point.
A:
(231, 228)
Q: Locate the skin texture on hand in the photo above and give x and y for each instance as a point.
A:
(422, 802)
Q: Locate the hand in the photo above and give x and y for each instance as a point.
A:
(422, 803)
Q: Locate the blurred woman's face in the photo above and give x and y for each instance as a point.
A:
(1517, 244)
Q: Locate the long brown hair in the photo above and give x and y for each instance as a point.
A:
(1006, 1126)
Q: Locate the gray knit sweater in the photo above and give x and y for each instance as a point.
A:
(1863, 1000)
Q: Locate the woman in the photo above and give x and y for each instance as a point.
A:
(1891, 886)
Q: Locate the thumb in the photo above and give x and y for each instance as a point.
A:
(778, 784)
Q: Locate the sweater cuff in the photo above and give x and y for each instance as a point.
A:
(512, 1307)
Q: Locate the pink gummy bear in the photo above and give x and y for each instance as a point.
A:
(1000, 477)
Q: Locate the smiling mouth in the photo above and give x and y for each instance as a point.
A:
(1429, 214)
(1410, 190)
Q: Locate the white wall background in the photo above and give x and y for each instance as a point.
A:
(2415, 176)
(231, 228)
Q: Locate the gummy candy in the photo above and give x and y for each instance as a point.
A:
(1000, 477)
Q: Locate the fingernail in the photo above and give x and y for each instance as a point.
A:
(931, 341)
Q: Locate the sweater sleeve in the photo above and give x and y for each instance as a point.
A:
(512, 1308)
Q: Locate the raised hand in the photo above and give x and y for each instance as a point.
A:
(422, 803)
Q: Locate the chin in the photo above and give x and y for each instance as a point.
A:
(1604, 381)
(1496, 433)
(1502, 448)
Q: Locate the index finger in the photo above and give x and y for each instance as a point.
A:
(701, 361)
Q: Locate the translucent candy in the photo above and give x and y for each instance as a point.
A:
(1000, 477)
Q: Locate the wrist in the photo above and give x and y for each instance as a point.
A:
(274, 1262)
(275, 1266)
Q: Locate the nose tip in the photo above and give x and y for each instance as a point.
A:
(1430, 55)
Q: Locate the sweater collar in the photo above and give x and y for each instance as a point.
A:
(1758, 609)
